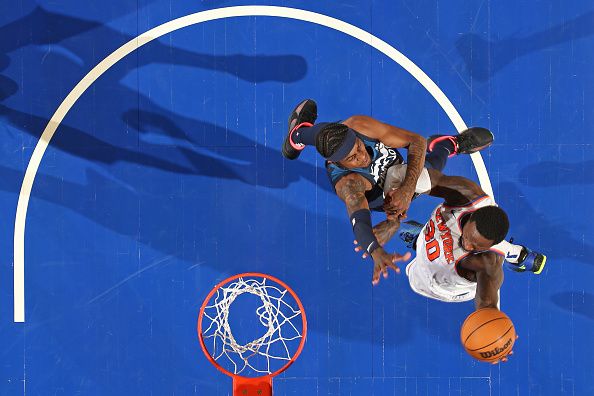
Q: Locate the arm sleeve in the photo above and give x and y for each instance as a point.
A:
(361, 221)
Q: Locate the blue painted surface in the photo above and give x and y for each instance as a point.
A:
(166, 177)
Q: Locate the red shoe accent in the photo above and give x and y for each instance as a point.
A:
(442, 138)
(298, 146)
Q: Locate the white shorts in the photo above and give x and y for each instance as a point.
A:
(423, 282)
(395, 177)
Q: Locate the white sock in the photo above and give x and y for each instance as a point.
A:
(512, 252)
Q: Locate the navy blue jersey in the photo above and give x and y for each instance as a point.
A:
(382, 157)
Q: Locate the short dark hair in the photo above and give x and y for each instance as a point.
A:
(331, 138)
(491, 222)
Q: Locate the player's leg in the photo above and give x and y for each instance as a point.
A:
(300, 132)
(441, 147)
(520, 258)
(437, 157)
(395, 176)
(422, 281)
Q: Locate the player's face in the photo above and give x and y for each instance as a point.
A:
(358, 157)
(472, 240)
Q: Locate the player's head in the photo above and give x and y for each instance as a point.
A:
(338, 143)
(486, 227)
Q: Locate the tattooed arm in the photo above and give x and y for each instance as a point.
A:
(385, 230)
(351, 189)
(398, 199)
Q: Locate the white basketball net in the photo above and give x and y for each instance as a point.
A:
(275, 315)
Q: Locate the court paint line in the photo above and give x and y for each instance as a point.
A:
(133, 275)
(179, 23)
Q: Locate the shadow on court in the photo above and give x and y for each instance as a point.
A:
(554, 173)
(88, 42)
(66, 32)
(483, 59)
(554, 239)
(246, 160)
(579, 302)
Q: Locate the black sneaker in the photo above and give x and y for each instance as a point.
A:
(306, 111)
(467, 142)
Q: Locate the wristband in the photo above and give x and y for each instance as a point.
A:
(361, 221)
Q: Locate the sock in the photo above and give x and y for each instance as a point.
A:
(438, 157)
(512, 252)
(307, 135)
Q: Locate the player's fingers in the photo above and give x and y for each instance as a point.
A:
(375, 278)
(398, 257)
(511, 352)
(395, 267)
(364, 255)
(358, 248)
(355, 242)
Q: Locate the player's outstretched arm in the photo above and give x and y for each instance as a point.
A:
(383, 231)
(416, 146)
(456, 190)
(351, 189)
(489, 278)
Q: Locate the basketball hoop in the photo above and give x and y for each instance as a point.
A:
(280, 329)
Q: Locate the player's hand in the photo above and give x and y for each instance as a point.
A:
(359, 248)
(383, 260)
(383, 232)
(397, 202)
(504, 359)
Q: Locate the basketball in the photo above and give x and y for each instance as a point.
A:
(488, 334)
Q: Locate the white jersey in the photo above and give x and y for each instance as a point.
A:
(433, 273)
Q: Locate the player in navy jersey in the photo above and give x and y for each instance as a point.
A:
(361, 153)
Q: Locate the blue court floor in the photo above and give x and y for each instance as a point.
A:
(165, 177)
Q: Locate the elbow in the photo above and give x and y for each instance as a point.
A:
(357, 122)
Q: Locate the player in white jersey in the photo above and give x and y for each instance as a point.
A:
(461, 248)
(438, 271)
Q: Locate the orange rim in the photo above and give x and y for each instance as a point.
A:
(254, 275)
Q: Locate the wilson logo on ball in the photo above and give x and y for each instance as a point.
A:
(496, 351)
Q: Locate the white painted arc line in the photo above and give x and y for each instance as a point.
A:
(168, 27)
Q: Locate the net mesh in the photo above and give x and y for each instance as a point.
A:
(280, 321)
